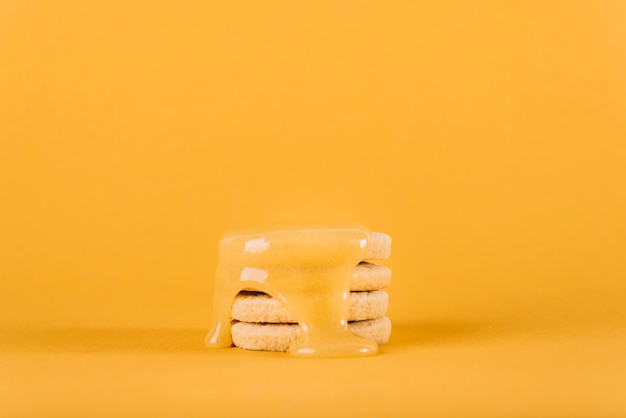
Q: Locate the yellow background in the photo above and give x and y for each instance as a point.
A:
(487, 137)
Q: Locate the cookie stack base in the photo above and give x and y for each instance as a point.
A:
(279, 337)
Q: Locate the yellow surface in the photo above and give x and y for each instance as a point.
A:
(487, 138)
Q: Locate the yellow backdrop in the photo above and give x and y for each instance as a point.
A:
(487, 138)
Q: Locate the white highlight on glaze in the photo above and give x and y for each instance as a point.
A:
(214, 337)
(256, 245)
(254, 275)
(363, 243)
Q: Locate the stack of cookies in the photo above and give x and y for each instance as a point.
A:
(263, 323)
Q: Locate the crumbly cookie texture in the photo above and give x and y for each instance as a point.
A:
(379, 247)
(369, 276)
(260, 307)
(279, 337)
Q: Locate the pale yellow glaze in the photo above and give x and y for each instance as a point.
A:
(306, 267)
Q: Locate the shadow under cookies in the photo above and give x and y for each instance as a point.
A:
(103, 340)
(191, 341)
(444, 332)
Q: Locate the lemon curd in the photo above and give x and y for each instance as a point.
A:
(307, 268)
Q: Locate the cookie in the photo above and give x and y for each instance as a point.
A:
(369, 276)
(260, 307)
(379, 247)
(278, 337)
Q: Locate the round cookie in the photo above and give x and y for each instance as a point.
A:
(368, 276)
(260, 307)
(379, 247)
(278, 337)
